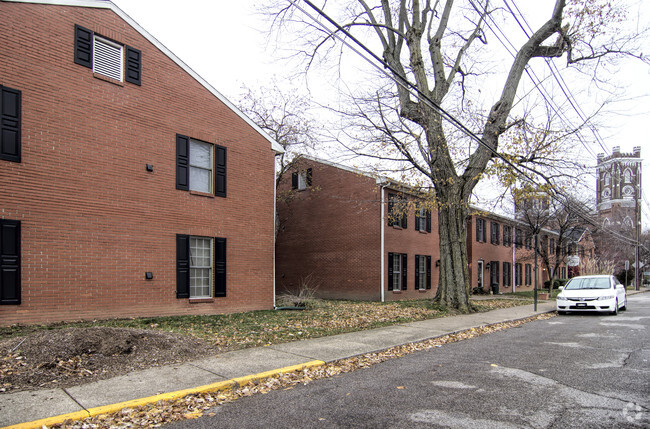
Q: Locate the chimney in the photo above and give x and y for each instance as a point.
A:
(616, 151)
(637, 151)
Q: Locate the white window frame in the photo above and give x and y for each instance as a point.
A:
(422, 273)
(397, 271)
(302, 180)
(422, 219)
(193, 294)
(210, 170)
(99, 61)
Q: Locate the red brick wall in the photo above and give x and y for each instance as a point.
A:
(331, 231)
(93, 220)
(488, 252)
(412, 242)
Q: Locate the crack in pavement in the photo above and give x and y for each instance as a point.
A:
(583, 398)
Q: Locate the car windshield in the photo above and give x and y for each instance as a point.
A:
(588, 283)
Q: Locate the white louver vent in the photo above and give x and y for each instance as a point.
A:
(107, 59)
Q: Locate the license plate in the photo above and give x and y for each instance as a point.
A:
(581, 304)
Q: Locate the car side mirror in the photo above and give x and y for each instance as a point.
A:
(561, 288)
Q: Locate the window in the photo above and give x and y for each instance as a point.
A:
(200, 166)
(494, 233)
(517, 274)
(494, 273)
(551, 246)
(506, 274)
(481, 234)
(563, 271)
(397, 211)
(9, 262)
(423, 219)
(200, 267)
(518, 238)
(627, 175)
(301, 180)
(10, 118)
(507, 235)
(106, 57)
(397, 263)
(529, 241)
(528, 273)
(422, 272)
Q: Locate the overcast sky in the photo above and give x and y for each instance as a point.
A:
(224, 41)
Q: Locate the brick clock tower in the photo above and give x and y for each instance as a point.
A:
(618, 194)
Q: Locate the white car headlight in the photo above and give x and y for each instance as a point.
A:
(603, 298)
(561, 298)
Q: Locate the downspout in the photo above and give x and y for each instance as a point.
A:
(381, 183)
(275, 220)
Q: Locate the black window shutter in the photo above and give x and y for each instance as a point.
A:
(428, 265)
(219, 267)
(83, 46)
(404, 220)
(133, 66)
(294, 180)
(505, 274)
(390, 271)
(10, 118)
(417, 272)
(182, 266)
(404, 265)
(308, 176)
(220, 171)
(478, 229)
(9, 262)
(428, 220)
(417, 219)
(182, 162)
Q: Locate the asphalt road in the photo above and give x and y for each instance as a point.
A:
(581, 371)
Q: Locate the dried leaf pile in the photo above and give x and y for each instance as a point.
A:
(195, 406)
(64, 355)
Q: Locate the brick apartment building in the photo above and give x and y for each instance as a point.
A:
(358, 236)
(128, 185)
(336, 226)
(500, 251)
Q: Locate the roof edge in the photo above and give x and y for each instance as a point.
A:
(107, 4)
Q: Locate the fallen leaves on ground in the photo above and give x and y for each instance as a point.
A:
(195, 406)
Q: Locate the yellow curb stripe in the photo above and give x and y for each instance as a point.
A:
(214, 387)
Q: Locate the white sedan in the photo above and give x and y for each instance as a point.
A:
(592, 293)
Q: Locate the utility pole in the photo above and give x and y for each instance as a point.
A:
(637, 219)
(536, 275)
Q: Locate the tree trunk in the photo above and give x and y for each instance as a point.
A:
(453, 281)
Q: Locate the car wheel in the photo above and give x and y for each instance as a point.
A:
(624, 305)
(615, 311)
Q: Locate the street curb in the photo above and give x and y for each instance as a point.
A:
(214, 387)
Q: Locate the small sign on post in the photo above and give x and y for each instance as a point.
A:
(627, 265)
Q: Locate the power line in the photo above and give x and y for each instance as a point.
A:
(535, 79)
(556, 74)
(402, 81)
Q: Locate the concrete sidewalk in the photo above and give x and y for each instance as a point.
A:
(174, 381)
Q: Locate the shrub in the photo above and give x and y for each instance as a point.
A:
(304, 298)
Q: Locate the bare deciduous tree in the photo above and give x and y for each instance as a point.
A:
(284, 117)
(433, 45)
